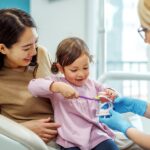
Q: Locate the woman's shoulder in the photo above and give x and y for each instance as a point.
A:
(44, 61)
(41, 48)
(42, 51)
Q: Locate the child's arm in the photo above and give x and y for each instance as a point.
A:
(43, 87)
(40, 87)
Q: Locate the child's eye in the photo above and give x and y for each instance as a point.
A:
(73, 70)
(86, 68)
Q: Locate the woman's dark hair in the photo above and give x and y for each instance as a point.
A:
(68, 51)
(12, 25)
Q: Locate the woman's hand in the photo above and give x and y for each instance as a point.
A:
(128, 104)
(45, 129)
(116, 121)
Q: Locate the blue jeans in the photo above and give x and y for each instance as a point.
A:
(105, 145)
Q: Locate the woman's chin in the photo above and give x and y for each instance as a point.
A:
(26, 63)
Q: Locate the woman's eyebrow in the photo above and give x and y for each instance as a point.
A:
(26, 45)
(29, 44)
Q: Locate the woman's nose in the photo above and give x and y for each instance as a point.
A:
(33, 50)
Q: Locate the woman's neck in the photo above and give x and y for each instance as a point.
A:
(19, 69)
(14, 67)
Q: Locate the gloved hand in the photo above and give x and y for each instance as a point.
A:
(116, 122)
(127, 104)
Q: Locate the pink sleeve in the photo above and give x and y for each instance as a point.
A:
(40, 87)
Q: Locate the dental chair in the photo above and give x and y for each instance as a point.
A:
(14, 136)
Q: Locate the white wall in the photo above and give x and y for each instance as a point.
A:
(58, 19)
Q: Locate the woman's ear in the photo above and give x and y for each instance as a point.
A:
(60, 68)
(3, 49)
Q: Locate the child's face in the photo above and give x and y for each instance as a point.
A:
(78, 72)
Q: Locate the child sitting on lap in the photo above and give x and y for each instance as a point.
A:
(80, 127)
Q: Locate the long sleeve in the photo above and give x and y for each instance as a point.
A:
(40, 87)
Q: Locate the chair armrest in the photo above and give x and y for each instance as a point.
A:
(19, 133)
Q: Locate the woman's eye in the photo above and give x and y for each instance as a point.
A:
(26, 49)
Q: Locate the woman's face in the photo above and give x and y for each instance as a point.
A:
(21, 53)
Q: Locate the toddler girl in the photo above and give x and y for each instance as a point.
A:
(80, 127)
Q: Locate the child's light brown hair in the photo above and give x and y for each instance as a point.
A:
(68, 51)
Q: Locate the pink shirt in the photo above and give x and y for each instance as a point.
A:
(79, 125)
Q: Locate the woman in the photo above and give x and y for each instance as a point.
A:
(22, 59)
(136, 106)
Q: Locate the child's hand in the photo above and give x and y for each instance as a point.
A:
(66, 90)
(110, 93)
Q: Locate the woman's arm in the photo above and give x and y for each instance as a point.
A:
(139, 137)
(147, 113)
(135, 105)
(129, 104)
(118, 122)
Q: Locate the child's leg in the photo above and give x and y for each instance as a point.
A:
(106, 145)
(71, 148)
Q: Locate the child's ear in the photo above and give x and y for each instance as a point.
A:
(60, 68)
(3, 49)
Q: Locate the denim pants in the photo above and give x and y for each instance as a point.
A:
(105, 145)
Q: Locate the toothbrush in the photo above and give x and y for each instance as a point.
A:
(101, 98)
(89, 98)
